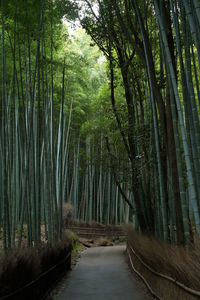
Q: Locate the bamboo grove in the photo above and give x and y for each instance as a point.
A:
(152, 48)
(31, 143)
(46, 89)
(108, 123)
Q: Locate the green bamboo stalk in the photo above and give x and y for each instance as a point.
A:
(195, 74)
(192, 191)
(194, 29)
(197, 8)
(155, 126)
(175, 127)
(3, 136)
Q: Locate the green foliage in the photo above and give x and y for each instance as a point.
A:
(110, 111)
(47, 88)
(76, 245)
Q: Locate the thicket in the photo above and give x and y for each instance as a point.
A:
(23, 267)
(113, 130)
(50, 83)
(118, 137)
(152, 53)
(179, 263)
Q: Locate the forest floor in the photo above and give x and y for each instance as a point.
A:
(101, 273)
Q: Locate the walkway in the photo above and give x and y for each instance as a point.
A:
(102, 274)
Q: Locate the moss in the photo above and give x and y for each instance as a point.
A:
(76, 245)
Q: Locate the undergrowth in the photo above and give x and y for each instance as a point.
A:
(76, 245)
(20, 266)
(182, 264)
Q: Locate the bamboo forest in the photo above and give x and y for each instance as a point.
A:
(100, 113)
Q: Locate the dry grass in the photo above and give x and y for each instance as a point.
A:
(23, 265)
(17, 268)
(179, 263)
(104, 242)
(50, 255)
(91, 224)
(67, 214)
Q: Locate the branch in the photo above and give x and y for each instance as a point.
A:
(115, 110)
(116, 180)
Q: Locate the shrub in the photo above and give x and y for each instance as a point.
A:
(22, 265)
(67, 214)
(18, 267)
(182, 264)
(50, 255)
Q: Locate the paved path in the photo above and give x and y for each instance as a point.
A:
(102, 274)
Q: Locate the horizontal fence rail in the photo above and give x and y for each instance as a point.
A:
(91, 232)
(142, 277)
(29, 291)
(174, 281)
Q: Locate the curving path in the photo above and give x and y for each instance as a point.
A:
(102, 274)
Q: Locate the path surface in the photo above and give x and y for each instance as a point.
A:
(102, 274)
